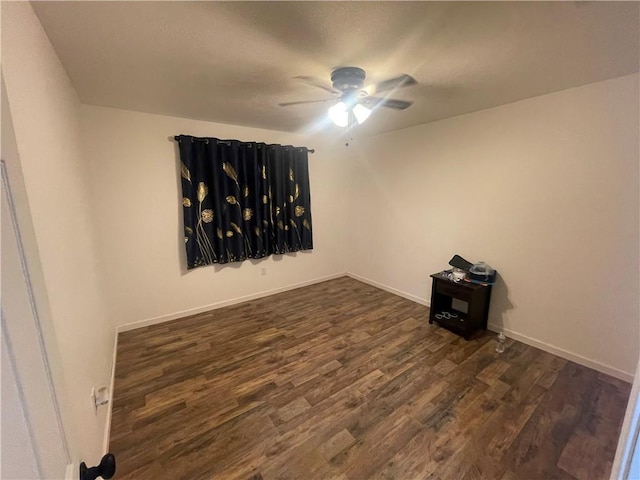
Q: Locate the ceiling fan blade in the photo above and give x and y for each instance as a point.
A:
(403, 80)
(287, 104)
(317, 83)
(372, 102)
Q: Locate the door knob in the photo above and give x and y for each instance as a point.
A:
(106, 469)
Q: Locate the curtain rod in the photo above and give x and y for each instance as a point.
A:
(228, 143)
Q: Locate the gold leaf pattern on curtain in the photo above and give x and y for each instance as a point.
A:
(257, 231)
(186, 202)
(229, 170)
(277, 211)
(219, 233)
(299, 211)
(246, 191)
(232, 200)
(203, 190)
(280, 225)
(293, 224)
(185, 172)
(229, 233)
(236, 228)
(264, 172)
(264, 199)
(290, 198)
(297, 192)
(291, 175)
(247, 214)
(305, 224)
(189, 230)
(207, 215)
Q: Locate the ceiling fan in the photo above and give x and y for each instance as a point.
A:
(355, 101)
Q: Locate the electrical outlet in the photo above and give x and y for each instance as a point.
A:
(263, 271)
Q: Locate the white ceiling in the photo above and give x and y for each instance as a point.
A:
(233, 62)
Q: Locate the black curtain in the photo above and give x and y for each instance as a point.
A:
(243, 200)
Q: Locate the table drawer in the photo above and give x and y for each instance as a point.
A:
(453, 290)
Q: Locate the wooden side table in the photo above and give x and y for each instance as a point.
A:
(475, 295)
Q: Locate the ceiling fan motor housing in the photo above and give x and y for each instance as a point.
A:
(347, 79)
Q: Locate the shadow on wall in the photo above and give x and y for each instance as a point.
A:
(500, 303)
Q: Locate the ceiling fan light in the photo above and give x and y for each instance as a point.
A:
(339, 114)
(361, 113)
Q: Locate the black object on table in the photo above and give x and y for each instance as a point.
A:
(477, 296)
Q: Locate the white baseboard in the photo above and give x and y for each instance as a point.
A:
(389, 289)
(561, 352)
(72, 471)
(107, 430)
(225, 303)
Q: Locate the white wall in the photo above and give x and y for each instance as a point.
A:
(45, 111)
(545, 190)
(138, 213)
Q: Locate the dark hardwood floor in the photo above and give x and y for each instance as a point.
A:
(342, 380)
